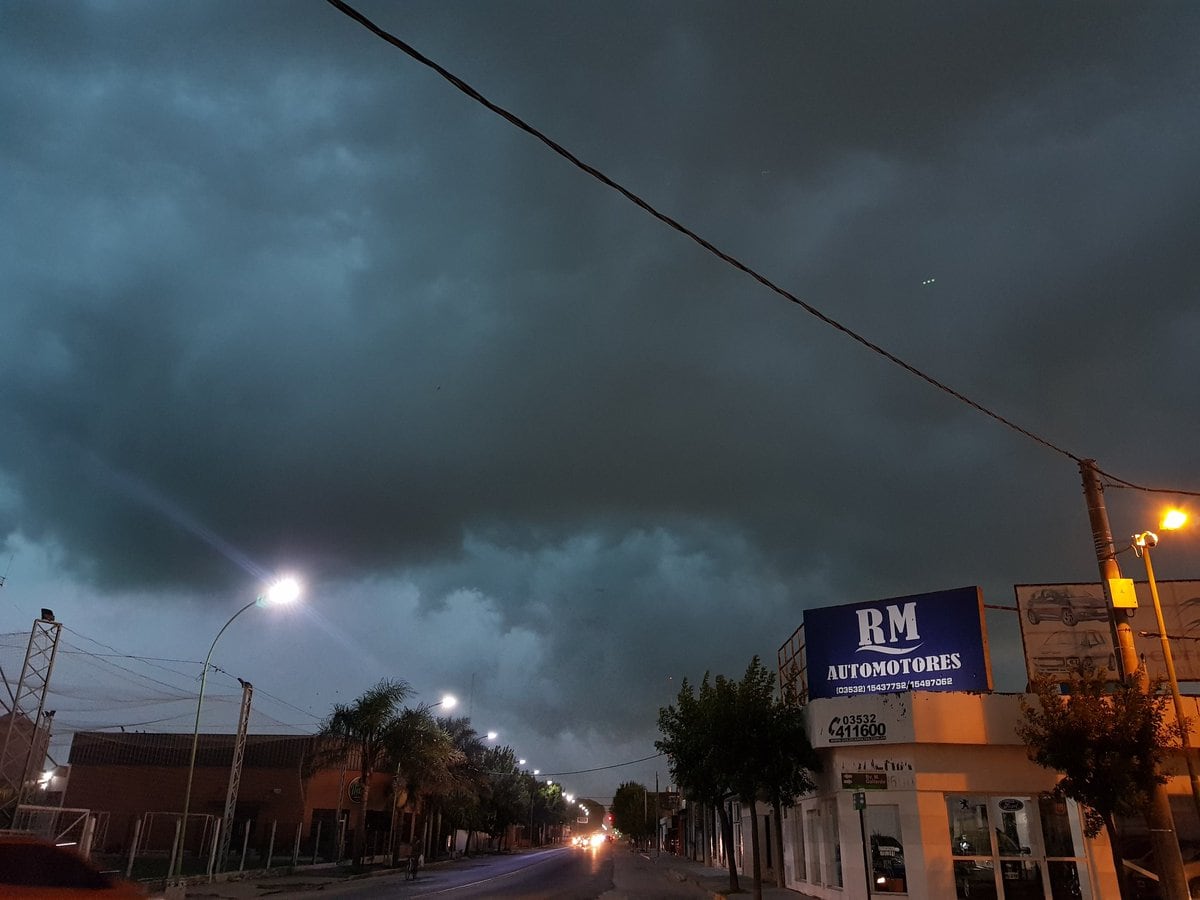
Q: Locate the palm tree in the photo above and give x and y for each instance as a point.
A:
(459, 796)
(366, 727)
(424, 755)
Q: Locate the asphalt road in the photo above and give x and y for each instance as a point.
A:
(610, 872)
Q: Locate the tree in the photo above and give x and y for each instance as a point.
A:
(365, 727)
(1107, 741)
(787, 763)
(558, 811)
(629, 810)
(460, 797)
(503, 803)
(424, 757)
(693, 735)
(768, 750)
(737, 738)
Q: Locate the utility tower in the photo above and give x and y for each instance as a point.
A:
(235, 774)
(22, 734)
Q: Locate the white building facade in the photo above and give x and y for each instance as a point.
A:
(951, 806)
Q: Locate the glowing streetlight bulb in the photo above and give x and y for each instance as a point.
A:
(449, 701)
(520, 762)
(285, 590)
(492, 735)
(1175, 518)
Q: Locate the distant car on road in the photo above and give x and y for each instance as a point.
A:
(1057, 603)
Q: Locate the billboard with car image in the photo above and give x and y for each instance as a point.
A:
(1066, 625)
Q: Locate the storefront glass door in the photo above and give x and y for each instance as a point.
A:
(1015, 848)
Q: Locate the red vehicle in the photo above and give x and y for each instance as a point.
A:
(34, 868)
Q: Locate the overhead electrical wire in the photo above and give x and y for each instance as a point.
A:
(108, 662)
(278, 700)
(728, 258)
(151, 660)
(632, 762)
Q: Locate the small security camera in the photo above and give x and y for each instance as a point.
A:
(1146, 539)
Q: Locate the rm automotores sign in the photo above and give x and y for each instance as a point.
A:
(927, 642)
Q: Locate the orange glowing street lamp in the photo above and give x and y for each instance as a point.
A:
(1142, 543)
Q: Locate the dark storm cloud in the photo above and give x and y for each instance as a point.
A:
(276, 294)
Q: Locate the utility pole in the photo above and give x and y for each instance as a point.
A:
(235, 775)
(657, 834)
(1163, 838)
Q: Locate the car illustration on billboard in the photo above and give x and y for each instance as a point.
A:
(1067, 651)
(1065, 606)
(1067, 624)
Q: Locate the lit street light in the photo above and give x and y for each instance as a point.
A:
(1141, 546)
(283, 591)
(448, 701)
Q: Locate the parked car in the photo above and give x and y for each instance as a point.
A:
(1069, 608)
(34, 868)
(887, 863)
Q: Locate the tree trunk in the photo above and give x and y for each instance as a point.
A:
(777, 805)
(360, 832)
(727, 837)
(706, 824)
(1110, 828)
(754, 854)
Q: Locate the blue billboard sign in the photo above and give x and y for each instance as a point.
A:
(927, 642)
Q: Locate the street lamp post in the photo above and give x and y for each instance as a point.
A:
(283, 591)
(1163, 837)
(1141, 546)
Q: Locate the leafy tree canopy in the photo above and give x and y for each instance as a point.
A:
(1107, 741)
(629, 810)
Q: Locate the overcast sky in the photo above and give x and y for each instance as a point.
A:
(276, 297)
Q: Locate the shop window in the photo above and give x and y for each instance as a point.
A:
(887, 850)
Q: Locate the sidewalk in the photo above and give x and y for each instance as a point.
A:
(716, 881)
(249, 885)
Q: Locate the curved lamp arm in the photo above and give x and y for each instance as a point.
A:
(187, 795)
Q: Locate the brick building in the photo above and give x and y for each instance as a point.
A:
(286, 783)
